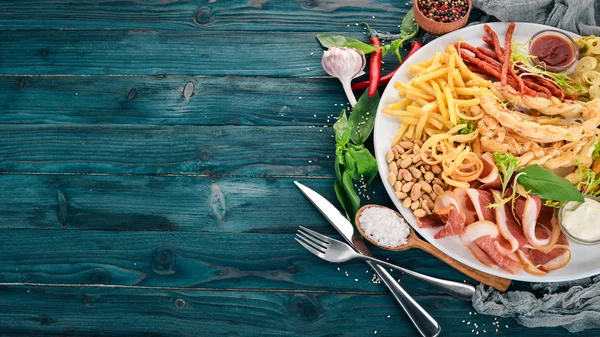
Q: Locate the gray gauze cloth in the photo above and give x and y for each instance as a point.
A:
(578, 16)
(572, 305)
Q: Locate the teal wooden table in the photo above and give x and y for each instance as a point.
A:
(147, 158)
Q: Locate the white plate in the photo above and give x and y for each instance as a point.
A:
(585, 259)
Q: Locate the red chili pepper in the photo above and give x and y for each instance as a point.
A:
(386, 79)
(374, 63)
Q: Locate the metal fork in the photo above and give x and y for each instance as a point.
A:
(336, 251)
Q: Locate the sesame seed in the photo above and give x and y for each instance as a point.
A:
(338, 268)
(375, 332)
(299, 97)
(355, 280)
(388, 316)
(307, 69)
(312, 54)
(506, 326)
(373, 16)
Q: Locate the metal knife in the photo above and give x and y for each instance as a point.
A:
(425, 324)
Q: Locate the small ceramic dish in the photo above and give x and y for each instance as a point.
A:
(440, 28)
(559, 217)
(568, 39)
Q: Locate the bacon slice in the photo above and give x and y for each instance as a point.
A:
(484, 235)
(466, 205)
(541, 231)
(539, 263)
(448, 208)
(489, 176)
(509, 228)
(477, 230)
(429, 221)
(481, 199)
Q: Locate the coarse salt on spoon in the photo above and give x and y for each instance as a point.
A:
(406, 239)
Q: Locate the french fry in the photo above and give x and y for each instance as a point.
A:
(402, 113)
(427, 88)
(467, 102)
(399, 134)
(451, 107)
(415, 68)
(440, 99)
(428, 76)
(400, 105)
(421, 125)
(409, 120)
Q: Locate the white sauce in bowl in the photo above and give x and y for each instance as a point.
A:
(582, 220)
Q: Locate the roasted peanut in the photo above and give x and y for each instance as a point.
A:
(415, 192)
(433, 196)
(405, 162)
(419, 142)
(438, 181)
(419, 213)
(398, 186)
(429, 176)
(406, 145)
(389, 156)
(414, 205)
(394, 168)
(392, 178)
(415, 172)
(426, 209)
(425, 186)
(399, 149)
(406, 175)
(436, 169)
(438, 189)
(407, 187)
(407, 202)
(396, 154)
(416, 148)
(416, 158)
(400, 195)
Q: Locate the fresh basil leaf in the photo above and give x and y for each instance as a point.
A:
(363, 117)
(547, 185)
(409, 27)
(344, 200)
(350, 166)
(339, 158)
(365, 163)
(342, 129)
(353, 201)
(329, 41)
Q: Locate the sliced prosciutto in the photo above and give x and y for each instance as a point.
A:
(481, 200)
(489, 178)
(429, 221)
(484, 235)
(448, 208)
(509, 228)
(466, 205)
(539, 262)
(541, 229)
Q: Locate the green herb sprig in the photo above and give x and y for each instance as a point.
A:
(352, 160)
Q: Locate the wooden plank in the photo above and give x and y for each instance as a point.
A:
(189, 53)
(260, 15)
(146, 203)
(144, 149)
(122, 312)
(193, 260)
(170, 100)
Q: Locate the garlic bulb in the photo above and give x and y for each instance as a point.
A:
(345, 64)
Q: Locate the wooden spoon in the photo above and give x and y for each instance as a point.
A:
(414, 241)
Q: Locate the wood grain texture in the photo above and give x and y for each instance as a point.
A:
(162, 100)
(260, 15)
(180, 149)
(88, 312)
(194, 260)
(189, 53)
(117, 312)
(172, 203)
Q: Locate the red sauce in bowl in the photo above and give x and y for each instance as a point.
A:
(553, 50)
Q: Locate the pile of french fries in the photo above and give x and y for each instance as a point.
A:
(438, 97)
